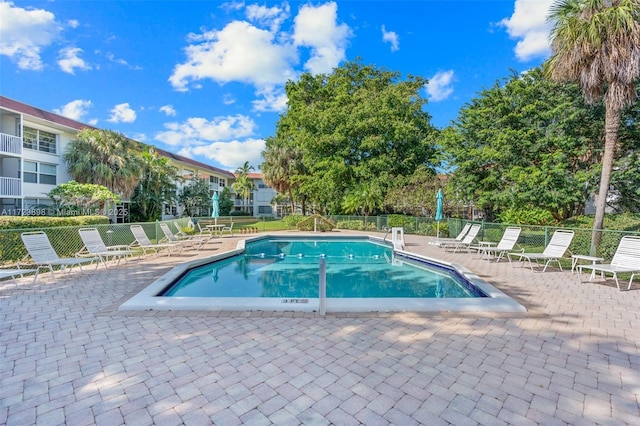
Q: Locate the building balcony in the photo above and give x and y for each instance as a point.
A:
(10, 144)
(10, 187)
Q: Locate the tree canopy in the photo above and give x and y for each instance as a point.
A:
(357, 127)
(527, 141)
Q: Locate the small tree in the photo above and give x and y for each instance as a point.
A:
(82, 197)
(196, 198)
(225, 202)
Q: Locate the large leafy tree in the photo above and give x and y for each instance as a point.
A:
(525, 142)
(104, 157)
(596, 43)
(157, 186)
(414, 194)
(357, 126)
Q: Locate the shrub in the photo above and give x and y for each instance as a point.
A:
(293, 220)
(316, 222)
(528, 216)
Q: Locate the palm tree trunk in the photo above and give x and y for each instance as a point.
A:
(611, 126)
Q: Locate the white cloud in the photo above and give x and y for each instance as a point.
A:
(198, 131)
(74, 110)
(392, 38)
(271, 99)
(316, 27)
(169, 110)
(440, 87)
(73, 23)
(228, 99)
(273, 17)
(529, 25)
(230, 154)
(24, 33)
(238, 52)
(122, 113)
(69, 60)
(121, 61)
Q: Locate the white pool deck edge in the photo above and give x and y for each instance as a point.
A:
(145, 300)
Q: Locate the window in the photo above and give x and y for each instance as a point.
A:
(265, 210)
(213, 179)
(39, 140)
(221, 183)
(39, 173)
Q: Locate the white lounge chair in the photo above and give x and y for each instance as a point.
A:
(228, 229)
(466, 241)
(143, 242)
(43, 254)
(94, 246)
(625, 259)
(505, 245)
(13, 273)
(443, 241)
(554, 251)
(195, 242)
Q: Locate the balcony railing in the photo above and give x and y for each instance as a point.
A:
(10, 144)
(10, 187)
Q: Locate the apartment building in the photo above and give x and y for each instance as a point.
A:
(260, 202)
(32, 142)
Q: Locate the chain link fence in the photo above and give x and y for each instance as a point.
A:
(532, 239)
(66, 239)
(67, 242)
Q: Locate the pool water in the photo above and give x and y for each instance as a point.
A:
(289, 268)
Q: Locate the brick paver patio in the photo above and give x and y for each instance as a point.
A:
(69, 357)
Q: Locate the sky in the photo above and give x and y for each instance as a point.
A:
(205, 79)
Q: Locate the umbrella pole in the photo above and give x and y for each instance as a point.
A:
(437, 229)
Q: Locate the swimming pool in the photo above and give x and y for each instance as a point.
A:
(362, 275)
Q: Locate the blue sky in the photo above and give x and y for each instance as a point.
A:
(205, 79)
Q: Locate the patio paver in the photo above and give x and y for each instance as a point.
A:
(68, 356)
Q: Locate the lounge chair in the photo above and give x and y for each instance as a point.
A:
(12, 273)
(94, 246)
(554, 251)
(195, 242)
(143, 242)
(228, 229)
(505, 245)
(442, 241)
(625, 259)
(466, 241)
(43, 254)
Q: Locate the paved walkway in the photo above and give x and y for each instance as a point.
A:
(68, 357)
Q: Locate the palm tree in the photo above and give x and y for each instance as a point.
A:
(596, 43)
(157, 186)
(104, 157)
(243, 185)
(280, 167)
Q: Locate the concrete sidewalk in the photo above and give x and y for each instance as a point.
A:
(67, 356)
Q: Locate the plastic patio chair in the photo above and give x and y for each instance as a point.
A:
(554, 251)
(95, 246)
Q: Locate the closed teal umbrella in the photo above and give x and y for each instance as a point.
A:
(215, 203)
(439, 210)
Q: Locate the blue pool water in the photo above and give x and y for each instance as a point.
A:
(289, 268)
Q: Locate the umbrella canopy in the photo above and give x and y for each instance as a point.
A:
(215, 204)
(439, 210)
(439, 205)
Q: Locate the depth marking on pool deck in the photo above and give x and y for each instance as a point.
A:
(295, 301)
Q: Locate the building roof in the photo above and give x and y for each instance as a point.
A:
(41, 114)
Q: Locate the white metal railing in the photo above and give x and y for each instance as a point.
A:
(10, 144)
(10, 187)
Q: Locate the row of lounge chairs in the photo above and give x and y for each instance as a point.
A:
(626, 258)
(42, 255)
